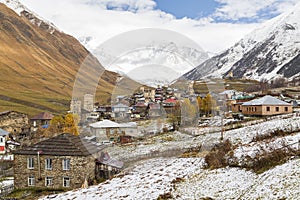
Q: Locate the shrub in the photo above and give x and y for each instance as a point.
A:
(216, 158)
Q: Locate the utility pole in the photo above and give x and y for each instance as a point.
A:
(222, 127)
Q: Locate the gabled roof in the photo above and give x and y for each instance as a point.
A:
(120, 105)
(105, 124)
(3, 132)
(107, 160)
(43, 116)
(110, 124)
(64, 144)
(266, 100)
(170, 101)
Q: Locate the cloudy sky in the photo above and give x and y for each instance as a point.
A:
(214, 24)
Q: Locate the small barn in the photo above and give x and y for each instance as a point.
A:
(107, 167)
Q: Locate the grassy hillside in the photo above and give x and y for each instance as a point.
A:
(38, 67)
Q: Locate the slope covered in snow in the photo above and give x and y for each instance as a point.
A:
(35, 19)
(187, 178)
(269, 51)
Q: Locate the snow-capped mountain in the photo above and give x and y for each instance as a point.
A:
(35, 19)
(268, 52)
(174, 60)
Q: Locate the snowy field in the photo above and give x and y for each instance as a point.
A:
(154, 177)
(281, 182)
(148, 179)
(176, 141)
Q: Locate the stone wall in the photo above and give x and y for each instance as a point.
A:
(13, 122)
(80, 168)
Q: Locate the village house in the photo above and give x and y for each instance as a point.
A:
(14, 122)
(266, 106)
(148, 93)
(169, 105)
(3, 137)
(107, 167)
(155, 110)
(120, 112)
(140, 108)
(112, 131)
(41, 120)
(64, 161)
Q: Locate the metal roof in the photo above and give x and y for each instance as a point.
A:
(266, 100)
(43, 116)
(3, 132)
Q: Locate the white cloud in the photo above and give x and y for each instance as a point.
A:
(237, 9)
(92, 18)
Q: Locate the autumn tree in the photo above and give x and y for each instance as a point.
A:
(57, 124)
(175, 117)
(188, 112)
(70, 124)
(208, 104)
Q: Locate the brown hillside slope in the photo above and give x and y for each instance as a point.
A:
(38, 67)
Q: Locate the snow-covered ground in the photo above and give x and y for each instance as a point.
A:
(255, 149)
(150, 178)
(147, 180)
(154, 177)
(281, 182)
(177, 140)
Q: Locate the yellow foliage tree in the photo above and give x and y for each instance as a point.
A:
(208, 104)
(57, 124)
(70, 124)
(188, 112)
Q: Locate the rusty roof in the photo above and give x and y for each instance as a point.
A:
(64, 144)
(43, 115)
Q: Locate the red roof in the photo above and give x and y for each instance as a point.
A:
(43, 116)
(170, 101)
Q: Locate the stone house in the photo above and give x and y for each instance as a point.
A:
(112, 131)
(155, 110)
(14, 122)
(120, 112)
(107, 167)
(266, 106)
(41, 120)
(64, 161)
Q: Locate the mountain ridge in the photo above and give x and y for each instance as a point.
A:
(39, 66)
(268, 52)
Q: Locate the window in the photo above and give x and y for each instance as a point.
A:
(268, 109)
(286, 109)
(1, 139)
(48, 163)
(66, 182)
(31, 181)
(66, 164)
(30, 163)
(277, 109)
(48, 181)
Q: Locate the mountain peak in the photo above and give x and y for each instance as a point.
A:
(268, 52)
(34, 18)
